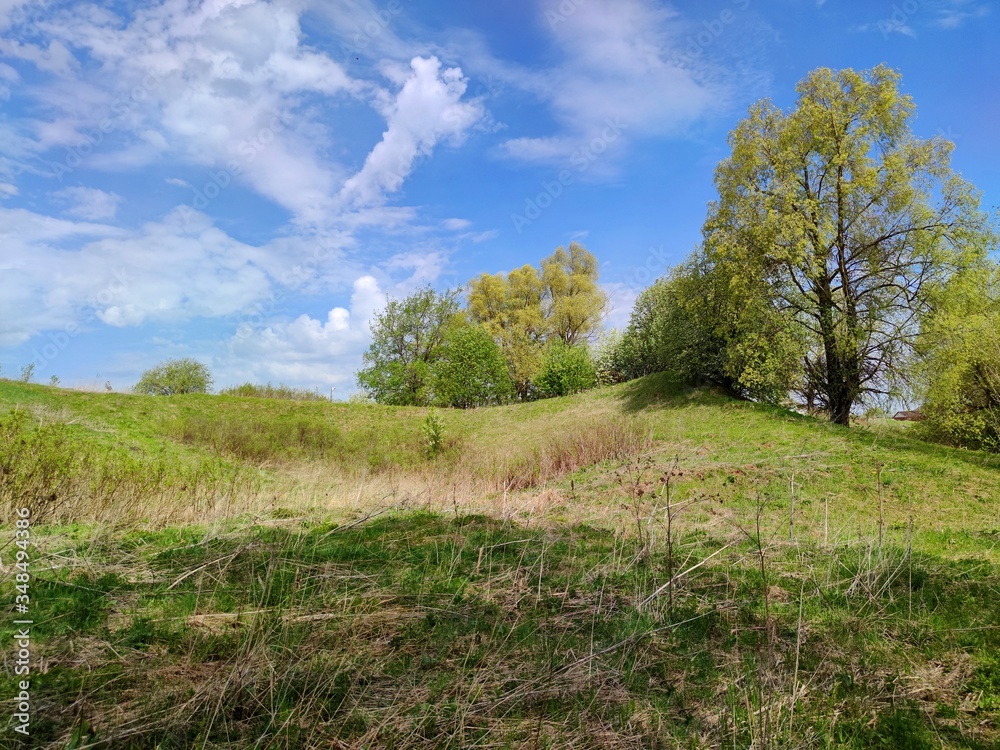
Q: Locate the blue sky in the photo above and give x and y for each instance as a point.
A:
(247, 182)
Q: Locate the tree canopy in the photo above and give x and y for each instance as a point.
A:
(529, 307)
(407, 337)
(174, 377)
(960, 362)
(837, 218)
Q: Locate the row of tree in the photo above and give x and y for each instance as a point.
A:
(520, 335)
(843, 265)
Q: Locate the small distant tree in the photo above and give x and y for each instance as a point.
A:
(471, 370)
(528, 308)
(510, 309)
(566, 369)
(175, 377)
(28, 372)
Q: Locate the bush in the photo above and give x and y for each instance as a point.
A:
(612, 358)
(280, 391)
(565, 370)
(174, 377)
(961, 364)
(471, 370)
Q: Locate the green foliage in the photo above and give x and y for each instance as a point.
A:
(470, 370)
(837, 223)
(574, 300)
(27, 372)
(692, 325)
(433, 430)
(510, 309)
(174, 377)
(565, 370)
(610, 357)
(407, 340)
(528, 308)
(960, 363)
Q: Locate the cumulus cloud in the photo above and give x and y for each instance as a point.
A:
(427, 109)
(307, 350)
(173, 270)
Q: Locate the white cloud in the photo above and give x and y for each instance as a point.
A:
(89, 203)
(954, 13)
(456, 225)
(172, 78)
(8, 8)
(427, 109)
(173, 270)
(622, 64)
(7, 190)
(308, 351)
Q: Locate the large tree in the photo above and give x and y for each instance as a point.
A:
(843, 222)
(510, 308)
(407, 340)
(575, 301)
(527, 308)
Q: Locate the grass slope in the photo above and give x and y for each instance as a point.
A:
(638, 566)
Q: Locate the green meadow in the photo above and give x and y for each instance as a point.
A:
(638, 566)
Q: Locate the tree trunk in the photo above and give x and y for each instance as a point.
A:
(840, 374)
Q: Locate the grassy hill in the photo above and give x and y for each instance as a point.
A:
(637, 566)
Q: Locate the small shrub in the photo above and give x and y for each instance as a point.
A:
(27, 372)
(433, 429)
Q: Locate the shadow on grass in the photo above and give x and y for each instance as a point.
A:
(663, 390)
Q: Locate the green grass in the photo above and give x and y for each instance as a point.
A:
(832, 587)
